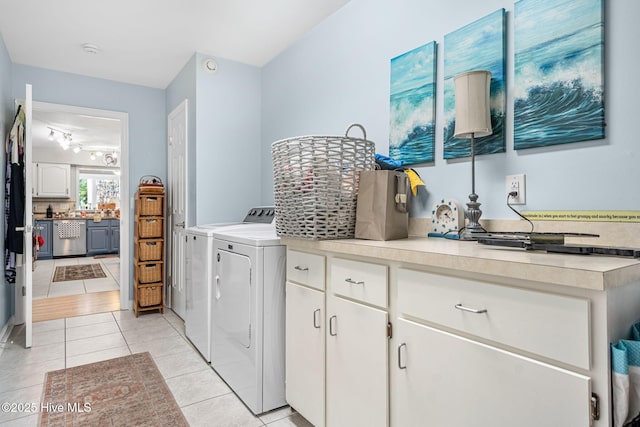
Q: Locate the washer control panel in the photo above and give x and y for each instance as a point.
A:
(261, 215)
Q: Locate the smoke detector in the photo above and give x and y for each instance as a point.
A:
(210, 65)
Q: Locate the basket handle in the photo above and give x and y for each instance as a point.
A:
(364, 132)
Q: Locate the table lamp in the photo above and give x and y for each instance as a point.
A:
(473, 120)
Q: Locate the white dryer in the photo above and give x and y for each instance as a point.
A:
(199, 262)
(247, 305)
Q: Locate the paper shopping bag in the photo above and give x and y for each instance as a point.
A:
(381, 211)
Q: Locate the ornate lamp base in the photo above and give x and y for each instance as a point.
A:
(473, 228)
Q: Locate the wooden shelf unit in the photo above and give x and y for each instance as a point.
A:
(149, 240)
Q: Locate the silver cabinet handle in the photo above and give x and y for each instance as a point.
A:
(297, 267)
(470, 310)
(353, 282)
(400, 347)
(316, 318)
(331, 327)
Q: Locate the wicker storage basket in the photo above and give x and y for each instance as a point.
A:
(149, 295)
(151, 205)
(149, 273)
(150, 227)
(316, 184)
(149, 250)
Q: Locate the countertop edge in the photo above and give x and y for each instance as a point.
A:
(590, 272)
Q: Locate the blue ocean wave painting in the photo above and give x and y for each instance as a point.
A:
(476, 46)
(559, 78)
(412, 105)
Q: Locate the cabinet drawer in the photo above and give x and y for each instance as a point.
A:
(307, 269)
(549, 325)
(362, 281)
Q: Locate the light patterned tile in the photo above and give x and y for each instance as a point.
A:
(48, 325)
(197, 386)
(27, 375)
(295, 420)
(71, 287)
(177, 364)
(163, 347)
(27, 395)
(42, 338)
(276, 414)
(95, 330)
(97, 356)
(90, 319)
(88, 345)
(226, 410)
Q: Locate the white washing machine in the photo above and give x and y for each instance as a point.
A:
(199, 278)
(247, 306)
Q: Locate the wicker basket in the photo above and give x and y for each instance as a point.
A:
(149, 228)
(151, 205)
(149, 250)
(149, 295)
(316, 184)
(149, 273)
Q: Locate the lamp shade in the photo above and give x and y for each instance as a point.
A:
(473, 110)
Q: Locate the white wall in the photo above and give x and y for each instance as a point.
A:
(339, 74)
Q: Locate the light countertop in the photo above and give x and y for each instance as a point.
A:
(595, 272)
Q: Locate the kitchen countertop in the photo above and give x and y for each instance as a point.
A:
(595, 272)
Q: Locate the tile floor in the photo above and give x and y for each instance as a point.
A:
(43, 287)
(203, 397)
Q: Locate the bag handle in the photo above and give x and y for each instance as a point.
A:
(402, 192)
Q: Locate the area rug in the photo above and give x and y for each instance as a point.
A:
(126, 391)
(78, 272)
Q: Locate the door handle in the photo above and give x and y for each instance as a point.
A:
(331, 327)
(316, 318)
(217, 287)
(470, 310)
(179, 224)
(400, 347)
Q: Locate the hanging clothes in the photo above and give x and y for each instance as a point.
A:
(14, 194)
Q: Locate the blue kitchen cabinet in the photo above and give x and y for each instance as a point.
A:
(103, 237)
(45, 229)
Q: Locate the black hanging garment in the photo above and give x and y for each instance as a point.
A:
(14, 195)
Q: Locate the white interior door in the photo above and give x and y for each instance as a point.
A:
(24, 262)
(177, 187)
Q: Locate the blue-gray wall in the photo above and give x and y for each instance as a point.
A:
(228, 152)
(145, 106)
(6, 118)
(339, 73)
(224, 148)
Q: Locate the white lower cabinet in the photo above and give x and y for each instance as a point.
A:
(305, 338)
(357, 365)
(441, 379)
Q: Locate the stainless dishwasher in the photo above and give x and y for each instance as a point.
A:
(69, 237)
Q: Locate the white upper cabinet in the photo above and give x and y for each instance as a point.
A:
(52, 180)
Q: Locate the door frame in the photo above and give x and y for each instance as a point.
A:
(170, 250)
(126, 301)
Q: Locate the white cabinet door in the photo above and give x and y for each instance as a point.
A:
(305, 352)
(53, 180)
(440, 379)
(357, 369)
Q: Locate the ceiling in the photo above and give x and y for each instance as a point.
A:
(147, 42)
(90, 133)
(144, 42)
